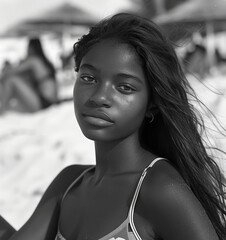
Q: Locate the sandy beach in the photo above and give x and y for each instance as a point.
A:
(33, 149)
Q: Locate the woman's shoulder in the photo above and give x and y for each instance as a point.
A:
(33, 62)
(163, 174)
(169, 203)
(45, 216)
(73, 170)
(63, 180)
(30, 59)
(70, 173)
(162, 179)
(162, 187)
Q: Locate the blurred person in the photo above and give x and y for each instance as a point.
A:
(195, 60)
(6, 66)
(32, 83)
(220, 61)
(67, 60)
(153, 178)
(219, 57)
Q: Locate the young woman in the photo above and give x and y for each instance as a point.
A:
(153, 178)
(32, 83)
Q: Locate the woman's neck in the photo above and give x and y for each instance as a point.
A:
(113, 158)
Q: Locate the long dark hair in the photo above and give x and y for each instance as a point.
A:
(176, 132)
(36, 47)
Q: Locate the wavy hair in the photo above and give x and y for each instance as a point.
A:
(36, 46)
(177, 131)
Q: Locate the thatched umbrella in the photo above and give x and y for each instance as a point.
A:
(60, 20)
(194, 11)
(67, 14)
(63, 21)
(208, 15)
(26, 29)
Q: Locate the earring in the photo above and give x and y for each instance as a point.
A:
(151, 118)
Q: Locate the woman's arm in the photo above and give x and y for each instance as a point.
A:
(172, 208)
(24, 66)
(43, 223)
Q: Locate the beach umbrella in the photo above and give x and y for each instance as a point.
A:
(62, 19)
(204, 15)
(67, 14)
(208, 16)
(194, 11)
(25, 29)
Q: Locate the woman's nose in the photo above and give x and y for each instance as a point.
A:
(101, 97)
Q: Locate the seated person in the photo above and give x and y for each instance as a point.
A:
(32, 83)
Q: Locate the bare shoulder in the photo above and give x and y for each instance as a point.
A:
(69, 174)
(44, 221)
(161, 184)
(162, 181)
(63, 180)
(171, 207)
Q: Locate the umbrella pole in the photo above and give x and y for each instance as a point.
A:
(210, 45)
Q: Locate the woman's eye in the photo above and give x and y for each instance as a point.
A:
(126, 88)
(88, 79)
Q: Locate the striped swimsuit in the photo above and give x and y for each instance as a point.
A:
(126, 230)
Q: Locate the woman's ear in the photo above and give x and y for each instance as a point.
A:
(151, 111)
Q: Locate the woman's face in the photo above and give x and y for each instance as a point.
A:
(111, 92)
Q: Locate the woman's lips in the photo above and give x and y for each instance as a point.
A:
(98, 119)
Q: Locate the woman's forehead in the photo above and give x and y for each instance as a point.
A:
(111, 44)
(113, 54)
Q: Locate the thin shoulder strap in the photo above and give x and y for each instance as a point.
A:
(75, 181)
(132, 206)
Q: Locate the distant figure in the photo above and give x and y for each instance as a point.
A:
(220, 61)
(196, 61)
(68, 60)
(32, 83)
(6, 66)
(219, 57)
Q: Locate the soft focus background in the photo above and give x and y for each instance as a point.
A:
(35, 147)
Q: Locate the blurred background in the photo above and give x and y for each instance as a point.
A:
(35, 146)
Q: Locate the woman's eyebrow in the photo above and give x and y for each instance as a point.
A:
(120, 75)
(89, 66)
(127, 75)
